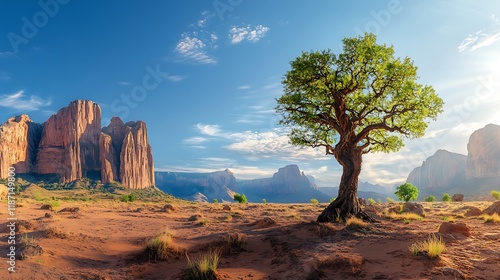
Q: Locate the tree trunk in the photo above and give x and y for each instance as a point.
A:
(346, 204)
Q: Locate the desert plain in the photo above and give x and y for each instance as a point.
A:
(107, 239)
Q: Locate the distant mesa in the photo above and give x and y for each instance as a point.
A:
(476, 173)
(72, 145)
(288, 185)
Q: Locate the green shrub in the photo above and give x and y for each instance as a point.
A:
(241, 198)
(125, 198)
(332, 199)
(132, 197)
(406, 192)
(371, 201)
(389, 200)
(430, 198)
(215, 201)
(314, 201)
(446, 197)
(495, 194)
(264, 201)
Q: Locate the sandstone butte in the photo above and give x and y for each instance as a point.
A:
(72, 145)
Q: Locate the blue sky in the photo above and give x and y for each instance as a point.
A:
(204, 75)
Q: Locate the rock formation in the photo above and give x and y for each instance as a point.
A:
(72, 145)
(19, 137)
(483, 160)
(69, 145)
(439, 171)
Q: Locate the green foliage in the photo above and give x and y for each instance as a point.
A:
(132, 197)
(125, 198)
(241, 198)
(215, 201)
(379, 201)
(446, 197)
(406, 192)
(264, 201)
(365, 88)
(495, 194)
(332, 199)
(314, 201)
(371, 201)
(430, 198)
(389, 200)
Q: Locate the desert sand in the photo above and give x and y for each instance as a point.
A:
(107, 239)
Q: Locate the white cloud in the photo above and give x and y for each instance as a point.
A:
(124, 83)
(195, 49)
(481, 38)
(208, 129)
(195, 140)
(244, 87)
(6, 54)
(239, 34)
(18, 102)
(174, 78)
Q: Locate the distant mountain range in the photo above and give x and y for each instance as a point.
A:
(288, 185)
(476, 173)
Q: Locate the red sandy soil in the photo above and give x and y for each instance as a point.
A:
(105, 241)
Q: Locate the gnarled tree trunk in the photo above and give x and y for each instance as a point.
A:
(346, 204)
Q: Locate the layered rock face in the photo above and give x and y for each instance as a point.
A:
(69, 142)
(72, 145)
(439, 171)
(483, 159)
(19, 137)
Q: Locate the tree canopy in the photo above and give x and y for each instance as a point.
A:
(364, 95)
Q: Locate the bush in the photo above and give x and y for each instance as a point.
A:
(132, 197)
(446, 197)
(215, 201)
(430, 198)
(389, 200)
(314, 201)
(406, 192)
(495, 194)
(264, 201)
(371, 201)
(125, 198)
(203, 267)
(241, 198)
(332, 199)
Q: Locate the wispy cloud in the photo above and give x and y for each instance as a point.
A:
(244, 87)
(195, 140)
(19, 102)
(208, 129)
(252, 34)
(174, 78)
(6, 54)
(482, 38)
(196, 49)
(124, 83)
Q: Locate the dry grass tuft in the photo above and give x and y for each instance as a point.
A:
(230, 244)
(203, 267)
(348, 263)
(326, 229)
(402, 216)
(432, 247)
(55, 233)
(495, 218)
(354, 223)
(163, 247)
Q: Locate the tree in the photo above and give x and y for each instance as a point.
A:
(406, 192)
(430, 198)
(446, 197)
(241, 198)
(360, 101)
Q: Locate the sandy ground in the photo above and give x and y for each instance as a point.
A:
(105, 240)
